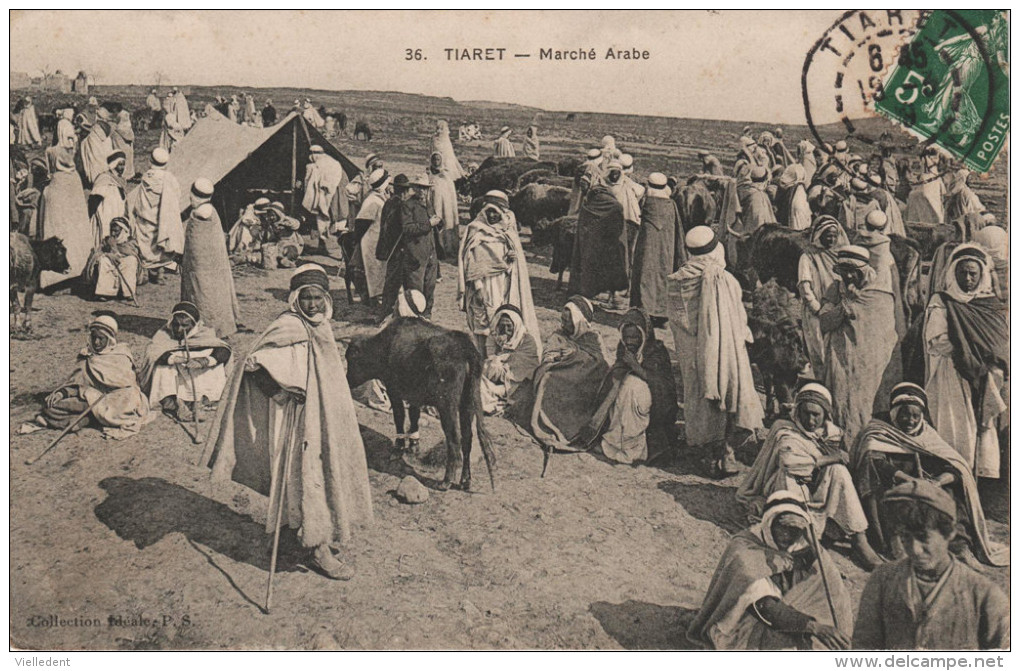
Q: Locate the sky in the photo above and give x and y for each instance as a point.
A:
(712, 65)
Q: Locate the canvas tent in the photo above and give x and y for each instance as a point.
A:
(245, 163)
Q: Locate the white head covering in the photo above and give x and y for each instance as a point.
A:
(977, 254)
(107, 324)
(779, 503)
(995, 240)
(626, 161)
(160, 156)
(520, 330)
(295, 292)
(411, 303)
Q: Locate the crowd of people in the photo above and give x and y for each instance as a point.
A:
(888, 465)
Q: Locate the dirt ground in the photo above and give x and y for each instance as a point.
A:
(128, 545)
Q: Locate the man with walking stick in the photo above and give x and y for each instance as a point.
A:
(102, 387)
(775, 588)
(286, 427)
(184, 365)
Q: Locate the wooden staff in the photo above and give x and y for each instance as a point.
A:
(285, 465)
(196, 401)
(818, 554)
(67, 430)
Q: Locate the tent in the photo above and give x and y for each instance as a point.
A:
(245, 163)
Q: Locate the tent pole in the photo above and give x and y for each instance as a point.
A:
(293, 169)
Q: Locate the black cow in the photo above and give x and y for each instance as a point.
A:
(28, 259)
(425, 364)
(774, 251)
(502, 174)
(362, 131)
(543, 176)
(538, 202)
(560, 234)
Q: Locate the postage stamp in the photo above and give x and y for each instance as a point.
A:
(950, 84)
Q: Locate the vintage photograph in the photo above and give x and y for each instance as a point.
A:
(509, 330)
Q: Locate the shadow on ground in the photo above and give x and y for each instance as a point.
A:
(708, 502)
(146, 510)
(639, 625)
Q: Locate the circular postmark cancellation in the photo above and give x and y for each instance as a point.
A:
(931, 73)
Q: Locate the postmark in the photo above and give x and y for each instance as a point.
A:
(847, 73)
(950, 85)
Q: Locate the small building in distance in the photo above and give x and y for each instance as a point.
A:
(83, 83)
(57, 81)
(20, 80)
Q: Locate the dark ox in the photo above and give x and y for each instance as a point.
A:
(542, 176)
(773, 251)
(560, 234)
(28, 259)
(425, 364)
(502, 174)
(362, 131)
(539, 202)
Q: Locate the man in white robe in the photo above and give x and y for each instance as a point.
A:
(185, 364)
(28, 125)
(324, 177)
(711, 336)
(66, 137)
(369, 220)
(96, 147)
(154, 210)
(502, 147)
(106, 200)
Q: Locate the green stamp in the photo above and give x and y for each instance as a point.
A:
(950, 84)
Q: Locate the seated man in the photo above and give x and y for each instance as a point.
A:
(184, 363)
(767, 591)
(112, 269)
(282, 231)
(637, 405)
(567, 380)
(103, 383)
(806, 454)
(509, 369)
(904, 445)
(244, 241)
(928, 600)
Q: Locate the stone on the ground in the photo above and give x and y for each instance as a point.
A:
(412, 491)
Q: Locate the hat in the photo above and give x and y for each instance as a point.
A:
(657, 180)
(276, 207)
(858, 184)
(114, 156)
(922, 491)
(401, 181)
(204, 212)
(876, 220)
(315, 149)
(309, 274)
(853, 256)
(370, 158)
(594, 153)
(813, 392)
(841, 146)
(187, 308)
(105, 322)
(378, 178)
(700, 240)
(93, 101)
(746, 141)
(584, 305)
(626, 160)
(788, 505)
(497, 198)
(608, 141)
(759, 173)
(422, 180)
(908, 393)
(120, 221)
(504, 129)
(703, 153)
(202, 188)
(261, 203)
(614, 165)
(160, 156)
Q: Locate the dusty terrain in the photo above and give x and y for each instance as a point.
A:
(593, 555)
